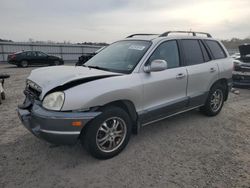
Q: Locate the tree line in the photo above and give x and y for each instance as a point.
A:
(229, 44)
(234, 43)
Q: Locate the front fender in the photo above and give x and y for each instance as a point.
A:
(103, 91)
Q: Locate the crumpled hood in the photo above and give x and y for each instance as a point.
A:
(51, 77)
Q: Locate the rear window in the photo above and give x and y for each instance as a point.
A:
(216, 49)
(192, 51)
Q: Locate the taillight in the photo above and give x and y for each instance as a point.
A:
(13, 56)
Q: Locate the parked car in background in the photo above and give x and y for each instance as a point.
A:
(241, 74)
(26, 58)
(133, 82)
(85, 57)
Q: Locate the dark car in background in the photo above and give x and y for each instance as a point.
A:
(26, 58)
(85, 57)
(241, 75)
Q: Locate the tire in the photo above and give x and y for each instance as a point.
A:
(24, 64)
(56, 63)
(3, 96)
(215, 101)
(108, 134)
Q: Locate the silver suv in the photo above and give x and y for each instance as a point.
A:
(131, 83)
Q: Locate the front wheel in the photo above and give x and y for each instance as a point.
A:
(108, 134)
(214, 101)
(24, 64)
(3, 95)
(56, 63)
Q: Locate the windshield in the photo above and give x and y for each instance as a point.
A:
(121, 56)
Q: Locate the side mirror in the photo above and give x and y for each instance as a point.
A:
(156, 66)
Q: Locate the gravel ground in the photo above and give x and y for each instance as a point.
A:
(188, 150)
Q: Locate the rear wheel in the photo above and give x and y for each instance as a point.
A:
(214, 101)
(3, 95)
(56, 63)
(108, 134)
(24, 64)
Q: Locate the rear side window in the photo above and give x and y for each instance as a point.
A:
(192, 52)
(40, 54)
(216, 49)
(31, 53)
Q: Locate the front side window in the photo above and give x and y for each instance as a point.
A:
(121, 56)
(167, 51)
(192, 52)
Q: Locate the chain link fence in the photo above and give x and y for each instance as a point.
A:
(69, 52)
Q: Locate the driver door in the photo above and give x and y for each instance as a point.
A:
(164, 91)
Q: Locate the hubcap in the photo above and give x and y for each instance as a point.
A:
(216, 100)
(111, 134)
(24, 63)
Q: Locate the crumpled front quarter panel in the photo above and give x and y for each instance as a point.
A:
(50, 77)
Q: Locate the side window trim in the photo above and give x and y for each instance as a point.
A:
(206, 50)
(209, 50)
(183, 62)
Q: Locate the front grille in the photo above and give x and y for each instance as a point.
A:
(242, 78)
(32, 91)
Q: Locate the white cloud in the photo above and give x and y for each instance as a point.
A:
(109, 20)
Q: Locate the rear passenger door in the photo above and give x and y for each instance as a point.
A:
(202, 70)
(31, 57)
(42, 58)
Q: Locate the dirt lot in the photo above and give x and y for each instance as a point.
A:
(189, 150)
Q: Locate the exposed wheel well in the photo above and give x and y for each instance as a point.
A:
(223, 82)
(126, 105)
(129, 107)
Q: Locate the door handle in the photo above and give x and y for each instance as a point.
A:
(212, 69)
(180, 76)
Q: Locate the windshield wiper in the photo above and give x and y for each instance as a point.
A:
(97, 67)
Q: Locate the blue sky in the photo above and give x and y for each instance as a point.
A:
(110, 20)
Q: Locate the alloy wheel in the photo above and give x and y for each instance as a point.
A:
(216, 100)
(111, 134)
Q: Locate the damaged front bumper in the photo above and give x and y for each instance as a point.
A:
(54, 127)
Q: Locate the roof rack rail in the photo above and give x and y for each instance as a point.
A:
(194, 33)
(140, 34)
